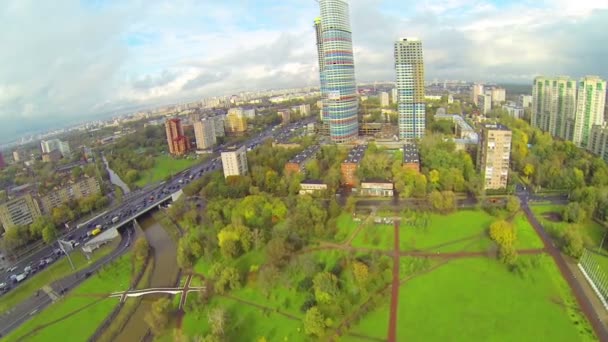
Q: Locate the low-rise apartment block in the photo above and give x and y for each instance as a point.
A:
(312, 186)
(19, 211)
(349, 166)
(297, 164)
(84, 187)
(377, 188)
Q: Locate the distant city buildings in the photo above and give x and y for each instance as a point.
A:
(218, 125)
(285, 115)
(349, 166)
(384, 99)
(51, 157)
(49, 146)
(20, 211)
(484, 102)
(234, 162)
(18, 156)
(514, 110)
(394, 95)
(176, 139)
(568, 109)
(493, 156)
(524, 101)
(236, 122)
(409, 67)
(339, 89)
(204, 133)
(84, 187)
(499, 95)
(303, 109)
(475, 92)
(321, 59)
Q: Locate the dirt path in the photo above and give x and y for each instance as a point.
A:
(392, 325)
(583, 302)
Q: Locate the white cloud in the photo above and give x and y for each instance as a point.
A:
(66, 62)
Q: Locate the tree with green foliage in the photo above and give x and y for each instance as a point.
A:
(189, 250)
(443, 202)
(574, 212)
(314, 322)
(361, 273)
(141, 249)
(512, 204)
(217, 318)
(158, 315)
(572, 241)
(229, 279)
(503, 233)
(325, 286)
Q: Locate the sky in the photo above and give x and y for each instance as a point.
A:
(64, 62)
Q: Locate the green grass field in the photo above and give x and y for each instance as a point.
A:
(478, 299)
(526, 236)
(593, 232)
(80, 326)
(164, 166)
(490, 303)
(52, 273)
(462, 230)
(346, 226)
(380, 236)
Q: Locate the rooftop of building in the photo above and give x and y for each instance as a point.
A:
(233, 149)
(496, 127)
(376, 180)
(356, 154)
(410, 154)
(458, 119)
(305, 155)
(312, 181)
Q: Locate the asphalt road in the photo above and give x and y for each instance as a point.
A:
(32, 305)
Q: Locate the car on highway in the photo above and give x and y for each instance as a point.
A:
(12, 269)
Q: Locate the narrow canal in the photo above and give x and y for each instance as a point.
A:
(114, 178)
(163, 275)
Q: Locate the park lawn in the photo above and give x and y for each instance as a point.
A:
(593, 232)
(111, 278)
(526, 235)
(462, 230)
(478, 299)
(164, 166)
(374, 324)
(375, 236)
(346, 226)
(53, 272)
(247, 323)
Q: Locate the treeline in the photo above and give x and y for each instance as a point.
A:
(135, 152)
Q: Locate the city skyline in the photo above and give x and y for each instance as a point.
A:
(118, 64)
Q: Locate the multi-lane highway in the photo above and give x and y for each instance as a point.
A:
(141, 201)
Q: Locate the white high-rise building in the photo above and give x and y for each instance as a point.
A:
(234, 162)
(553, 105)
(499, 95)
(48, 146)
(384, 99)
(590, 103)
(484, 102)
(475, 92)
(525, 101)
(409, 66)
(204, 132)
(394, 95)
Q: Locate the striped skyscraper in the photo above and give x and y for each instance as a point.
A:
(340, 101)
(410, 88)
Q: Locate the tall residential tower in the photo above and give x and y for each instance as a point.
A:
(589, 109)
(553, 104)
(177, 141)
(321, 58)
(410, 88)
(340, 101)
